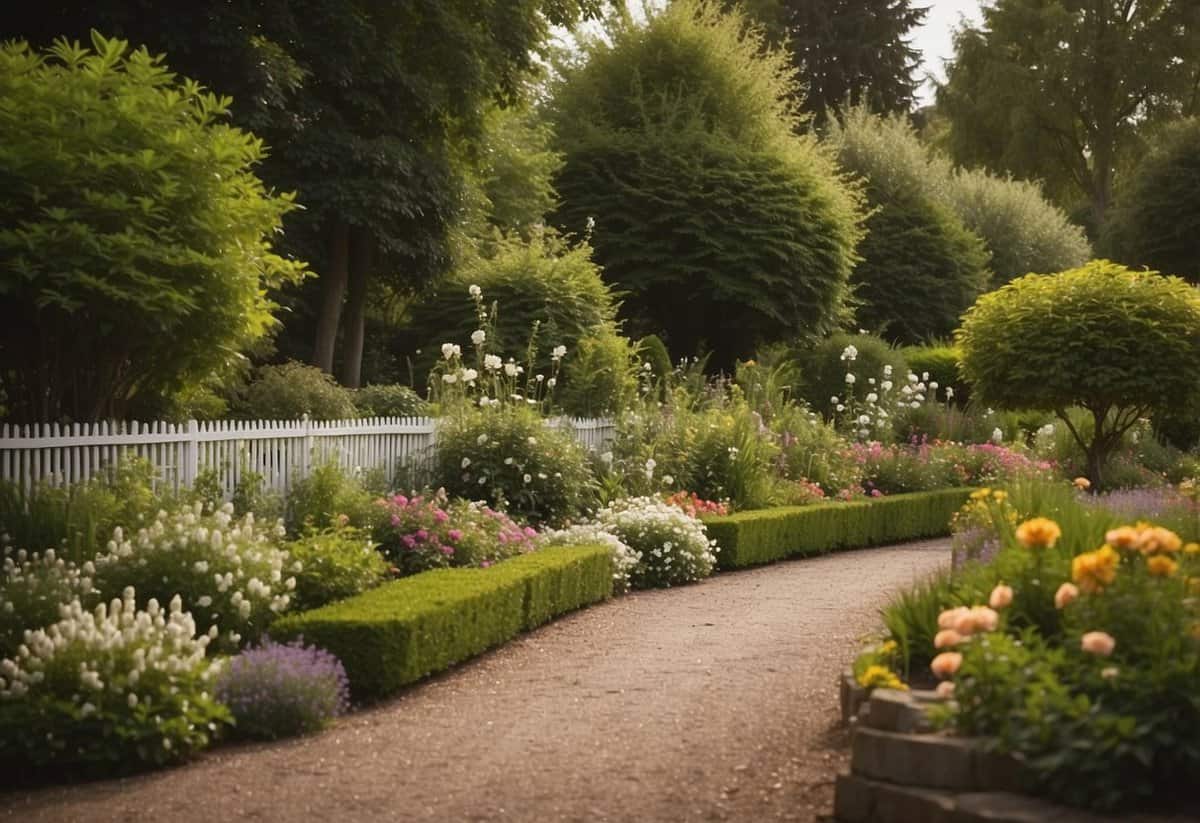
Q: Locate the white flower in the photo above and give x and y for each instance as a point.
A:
(449, 378)
(526, 478)
(949, 392)
(864, 419)
(915, 404)
(840, 407)
(466, 461)
(849, 353)
(204, 601)
(933, 386)
(469, 375)
(668, 480)
(474, 290)
(872, 397)
(912, 378)
(551, 383)
(511, 369)
(997, 435)
(478, 336)
(492, 362)
(481, 439)
(558, 353)
(606, 458)
(450, 350)
(833, 399)
(849, 379)
(924, 375)
(886, 385)
(887, 371)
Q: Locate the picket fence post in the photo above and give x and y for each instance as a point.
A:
(191, 456)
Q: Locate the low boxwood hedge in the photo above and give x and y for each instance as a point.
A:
(761, 536)
(402, 631)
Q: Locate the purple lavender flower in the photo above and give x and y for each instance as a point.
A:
(276, 690)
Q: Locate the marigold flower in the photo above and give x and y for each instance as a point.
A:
(1098, 643)
(1082, 483)
(1160, 565)
(1157, 539)
(1092, 571)
(1125, 537)
(947, 638)
(1038, 533)
(946, 664)
(1002, 597)
(1066, 593)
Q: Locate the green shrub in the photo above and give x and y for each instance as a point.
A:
(652, 350)
(136, 237)
(753, 537)
(400, 632)
(330, 497)
(721, 224)
(920, 267)
(823, 369)
(388, 400)
(108, 691)
(728, 455)
(1036, 344)
(334, 565)
(672, 547)
(292, 390)
(601, 378)
(940, 363)
(509, 457)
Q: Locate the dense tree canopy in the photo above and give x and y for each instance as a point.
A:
(720, 224)
(1058, 89)
(854, 51)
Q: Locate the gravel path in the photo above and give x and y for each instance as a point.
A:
(710, 702)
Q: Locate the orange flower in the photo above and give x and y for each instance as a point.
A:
(1038, 533)
(1082, 483)
(1126, 537)
(1160, 565)
(1095, 570)
(1158, 539)
(946, 664)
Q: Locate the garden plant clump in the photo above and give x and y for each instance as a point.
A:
(33, 587)
(673, 547)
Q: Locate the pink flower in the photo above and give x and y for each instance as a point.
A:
(447, 550)
(422, 534)
(395, 520)
(530, 531)
(1066, 593)
(407, 540)
(1098, 643)
(455, 535)
(400, 500)
(502, 537)
(1002, 597)
(440, 516)
(946, 664)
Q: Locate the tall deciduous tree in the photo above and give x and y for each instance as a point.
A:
(367, 107)
(1058, 89)
(846, 50)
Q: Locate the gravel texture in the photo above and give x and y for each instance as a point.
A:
(716, 701)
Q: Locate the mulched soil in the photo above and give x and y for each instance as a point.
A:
(711, 702)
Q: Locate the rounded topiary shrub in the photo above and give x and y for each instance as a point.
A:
(334, 565)
(291, 390)
(509, 457)
(824, 367)
(672, 547)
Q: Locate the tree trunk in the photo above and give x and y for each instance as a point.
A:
(356, 308)
(333, 291)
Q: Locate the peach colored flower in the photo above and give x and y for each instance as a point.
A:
(977, 619)
(946, 638)
(945, 690)
(1157, 539)
(950, 617)
(1066, 593)
(1099, 643)
(1082, 483)
(946, 664)
(1160, 565)
(1125, 537)
(1038, 533)
(1002, 597)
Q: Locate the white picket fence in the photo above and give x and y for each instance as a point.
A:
(280, 451)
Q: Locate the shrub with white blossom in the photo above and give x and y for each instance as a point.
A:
(231, 574)
(108, 690)
(32, 587)
(624, 558)
(673, 547)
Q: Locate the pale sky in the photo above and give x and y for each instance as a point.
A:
(934, 40)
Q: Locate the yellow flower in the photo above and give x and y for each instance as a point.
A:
(1191, 548)
(980, 494)
(999, 496)
(1038, 533)
(1161, 566)
(880, 677)
(1095, 570)
(888, 647)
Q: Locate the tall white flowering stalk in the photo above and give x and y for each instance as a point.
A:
(231, 574)
(867, 409)
(109, 688)
(673, 548)
(624, 558)
(32, 587)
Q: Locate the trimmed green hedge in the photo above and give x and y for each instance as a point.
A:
(753, 537)
(400, 632)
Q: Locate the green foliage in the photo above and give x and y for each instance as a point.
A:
(135, 232)
(388, 400)
(720, 224)
(940, 362)
(1034, 344)
(510, 458)
(330, 497)
(544, 284)
(911, 619)
(652, 350)
(823, 369)
(334, 564)
(601, 377)
(398, 633)
(754, 537)
(921, 267)
(292, 390)
(1023, 232)
(1156, 218)
(811, 450)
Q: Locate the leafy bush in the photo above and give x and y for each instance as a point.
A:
(292, 390)
(824, 368)
(601, 379)
(673, 548)
(753, 537)
(388, 400)
(544, 284)
(509, 457)
(1147, 326)
(422, 533)
(1156, 217)
(330, 497)
(940, 363)
(728, 455)
(276, 690)
(108, 690)
(232, 574)
(33, 587)
(719, 222)
(1022, 230)
(920, 267)
(400, 632)
(135, 232)
(334, 564)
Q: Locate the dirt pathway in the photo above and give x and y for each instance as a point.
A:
(709, 702)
